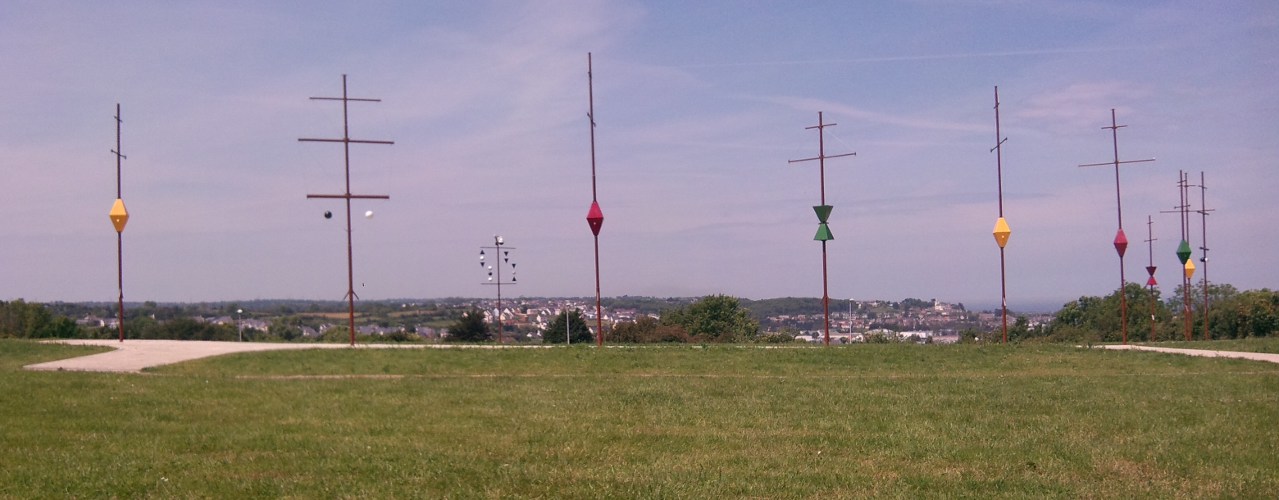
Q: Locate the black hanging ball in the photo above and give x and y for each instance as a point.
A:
(328, 214)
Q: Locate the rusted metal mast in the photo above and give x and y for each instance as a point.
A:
(346, 141)
(823, 215)
(1150, 268)
(1121, 240)
(1203, 259)
(119, 217)
(1001, 232)
(594, 216)
(1183, 249)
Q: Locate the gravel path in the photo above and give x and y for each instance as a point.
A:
(135, 355)
(1255, 356)
(132, 356)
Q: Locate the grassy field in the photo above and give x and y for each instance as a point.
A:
(678, 422)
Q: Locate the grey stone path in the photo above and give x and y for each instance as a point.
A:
(134, 355)
(1255, 356)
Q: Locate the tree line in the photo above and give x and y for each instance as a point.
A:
(1231, 314)
(714, 318)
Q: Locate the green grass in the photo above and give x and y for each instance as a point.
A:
(1255, 344)
(681, 422)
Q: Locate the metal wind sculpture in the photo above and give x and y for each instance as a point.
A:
(1183, 249)
(1121, 240)
(1001, 231)
(119, 217)
(823, 214)
(501, 258)
(346, 141)
(1203, 258)
(1150, 269)
(594, 216)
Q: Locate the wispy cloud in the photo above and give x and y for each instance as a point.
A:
(1075, 107)
(929, 57)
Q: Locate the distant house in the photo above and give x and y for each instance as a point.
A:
(91, 321)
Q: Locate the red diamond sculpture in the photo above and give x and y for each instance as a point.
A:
(1121, 243)
(595, 217)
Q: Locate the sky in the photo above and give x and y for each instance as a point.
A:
(699, 106)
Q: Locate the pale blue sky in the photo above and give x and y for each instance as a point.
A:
(698, 107)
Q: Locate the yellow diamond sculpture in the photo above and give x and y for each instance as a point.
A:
(1190, 268)
(1002, 232)
(119, 216)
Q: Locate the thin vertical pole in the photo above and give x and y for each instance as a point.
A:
(823, 233)
(821, 168)
(498, 244)
(501, 256)
(590, 91)
(346, 157)
(999, 169)
(119, 235)
(1188, 313)
(1150, 249)
(595, 224)
(350, 259)
(1203, 213)
(1184, 246)
(1119, 209)
(1121, 241)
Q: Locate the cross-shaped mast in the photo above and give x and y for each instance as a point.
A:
(346, 141)
(1121, 240)
(823, 213)
(119, 217)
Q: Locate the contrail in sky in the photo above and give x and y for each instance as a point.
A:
(929, 57)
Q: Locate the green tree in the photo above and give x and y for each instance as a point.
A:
(633, 332)
(1019, 330)
(714, 318)
(647, 330)
(32, 320)
(557, 332)
(471, 327)
(1098, 318)
(287, 328)
(1254, 313)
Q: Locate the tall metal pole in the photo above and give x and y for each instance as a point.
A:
(1188, 264)
(1203, 213)
(823, 215)
(1183, 249)
(346, 141)
(1001, 231)
(594, 216)
(119, 217)
(1150, 268)
(502, 257)
(1121, 240)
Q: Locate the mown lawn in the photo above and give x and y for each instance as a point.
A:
(681, 422)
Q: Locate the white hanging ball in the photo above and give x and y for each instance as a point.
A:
(368, 215)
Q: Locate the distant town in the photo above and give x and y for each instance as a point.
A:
(525, 319)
